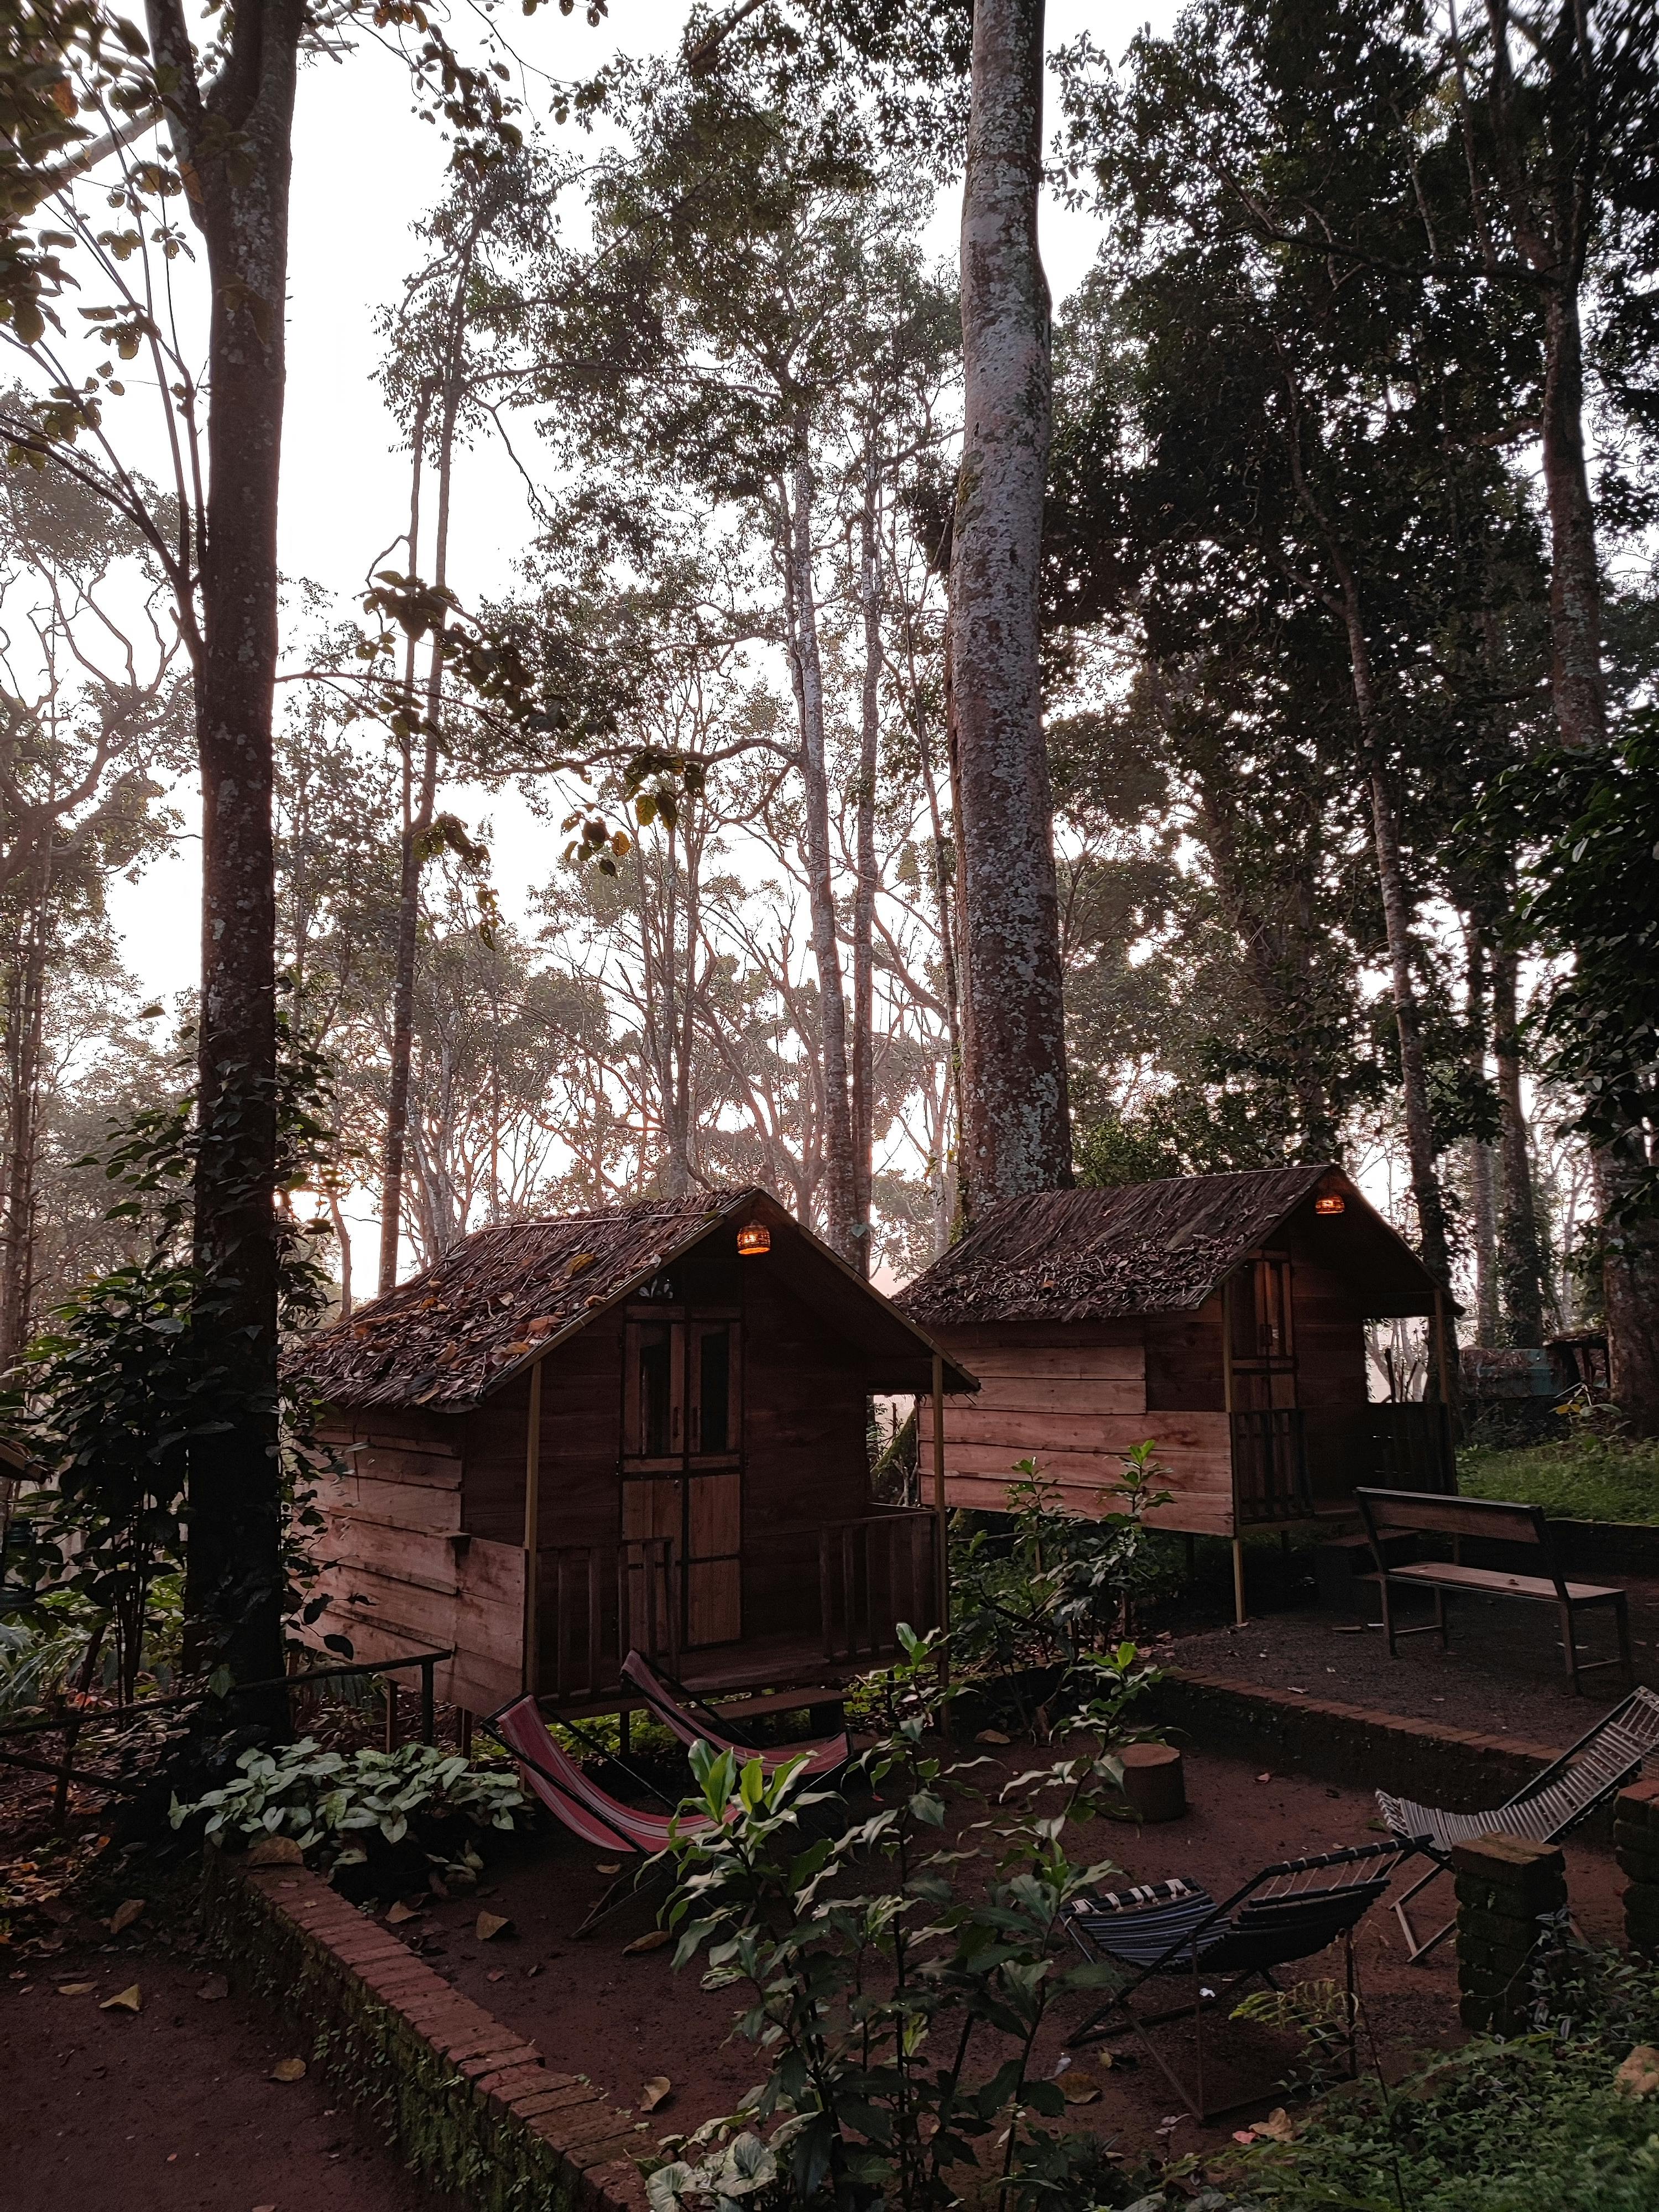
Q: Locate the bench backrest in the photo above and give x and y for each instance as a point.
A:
(1397, 1511)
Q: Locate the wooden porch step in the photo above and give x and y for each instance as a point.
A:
(738, 1708)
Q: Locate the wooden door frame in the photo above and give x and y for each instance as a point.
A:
(686, 1319)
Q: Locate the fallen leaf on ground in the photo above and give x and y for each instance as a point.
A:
(614, 1867)
(76, 1989)
(654, 2092)
(437, 1885)
(131, 2000)
(1264, 1778)
(992, 1736)
(1640, 2074)
(491, 1924)
(289, 2069)
(654, 1942)
(1078, 2090)
(1276, 2127)
(275, 1851)
(125, 1914)
(497, 1974)
(213, 1989)
(401, 1912)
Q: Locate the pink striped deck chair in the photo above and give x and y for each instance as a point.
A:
(589, 1813)
(685, 1716)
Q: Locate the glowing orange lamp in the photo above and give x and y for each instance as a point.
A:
(1332, 1204)
(753, 1238)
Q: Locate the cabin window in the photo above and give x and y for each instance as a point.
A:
(655, 1396)
(713, 1431)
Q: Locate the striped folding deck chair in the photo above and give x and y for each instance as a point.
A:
(1584, 1778)
(590, 1812)
(684, 1714)
(1285, 1913)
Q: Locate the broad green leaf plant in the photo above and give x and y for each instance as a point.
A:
(334, 1804)
(895, 1985)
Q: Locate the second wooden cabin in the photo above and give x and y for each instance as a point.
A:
(646, 1426)
(1221, 1316)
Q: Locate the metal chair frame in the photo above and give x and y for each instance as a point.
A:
(1584, 1778)
(1278, 1902)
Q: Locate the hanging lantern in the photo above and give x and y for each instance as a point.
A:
(1330, 1203)
(753, 1238)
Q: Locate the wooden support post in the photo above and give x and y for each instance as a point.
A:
(1239, 1615)
(532, 1508)
(941, 1533)
(428, 1702)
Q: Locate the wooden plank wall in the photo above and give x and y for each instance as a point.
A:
(1331, 1380)
(804, 1460)
(1072, 1397)
(399, 1571)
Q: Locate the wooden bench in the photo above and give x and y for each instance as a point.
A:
(1410, 1512)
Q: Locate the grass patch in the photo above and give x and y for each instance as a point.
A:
(1586, 1478)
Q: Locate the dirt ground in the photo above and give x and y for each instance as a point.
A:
(596, 2010)
(172, 2109)
(1503, 1672)
(179, 2102)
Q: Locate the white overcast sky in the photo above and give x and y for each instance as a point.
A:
(365, 169)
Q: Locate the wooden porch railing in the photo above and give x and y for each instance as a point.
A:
(873, 1573)
(595, 1601)
(1270, 1466)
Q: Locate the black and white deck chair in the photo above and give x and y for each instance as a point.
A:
(1167, 1928)
(1582, 1779)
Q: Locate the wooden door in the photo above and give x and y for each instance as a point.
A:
(681, 1471)
(1264, 1337)
(713, 1530)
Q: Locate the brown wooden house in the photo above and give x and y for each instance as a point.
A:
(1222, 1316)
(642, 1427)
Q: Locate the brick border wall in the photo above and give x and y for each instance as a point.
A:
(472, 2106)
(1459, 1768)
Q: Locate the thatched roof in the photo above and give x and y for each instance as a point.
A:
(505, 1295)
(1150, 1247)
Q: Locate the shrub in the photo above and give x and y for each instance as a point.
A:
(897, 2024)
(337, 1803)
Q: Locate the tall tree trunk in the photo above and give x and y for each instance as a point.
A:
(342, 1238)
(25, 1032)
(807, 669)
(1483, 1198)
(1521, 1268)
(236, 147)
(419, 802)
(1016, 1124)
(864, 898)
(1630, 1272)
(1347, 604)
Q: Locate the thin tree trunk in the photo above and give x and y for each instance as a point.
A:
(1015, 1133)
(1345, 604)
(864, 901)
(1521, 1268)
(1483, 1203)
(236, 147)
(839, 1205)
(1630, 1271)
(342, 1238)
(26, 1027)
(417, 821)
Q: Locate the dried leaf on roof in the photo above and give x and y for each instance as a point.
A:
(1090, 1254)
(451, 1334)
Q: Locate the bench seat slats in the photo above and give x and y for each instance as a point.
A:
(1400, 1513)
(1493, 1583)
